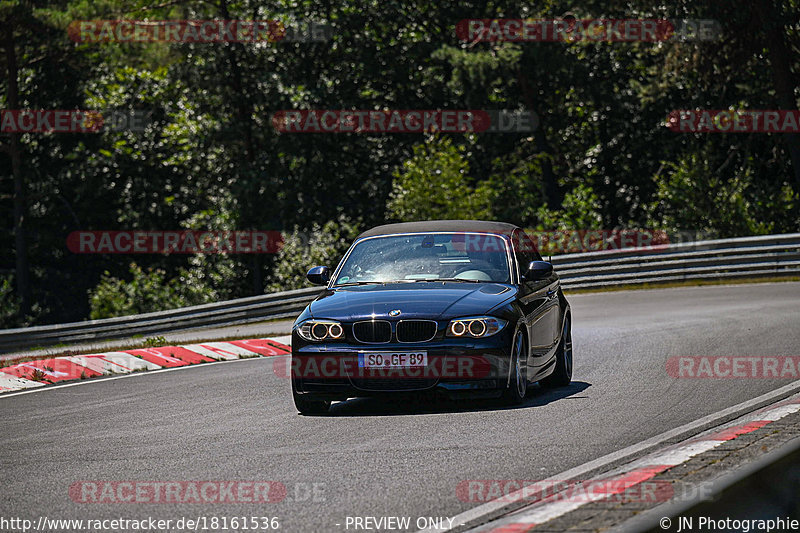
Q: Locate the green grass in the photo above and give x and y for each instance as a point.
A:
(154, 342)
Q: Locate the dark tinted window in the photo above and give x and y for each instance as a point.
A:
(524, 250)
(411, 257)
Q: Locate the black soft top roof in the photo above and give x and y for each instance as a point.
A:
(480, 226)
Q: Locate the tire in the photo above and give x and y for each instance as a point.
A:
(518, 388)
(309, 406)
(562, 375)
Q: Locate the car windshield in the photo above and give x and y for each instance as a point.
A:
(467, 257)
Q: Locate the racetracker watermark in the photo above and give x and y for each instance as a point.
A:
(735, 367)
(549, 242)
(515, 490)
(174, 242)
(630, 488)
(198, 31)
(554, 242)
(587, 30)
(404, 121)
(371, 366)
(171, 492)
(72, 120)
(734, 121)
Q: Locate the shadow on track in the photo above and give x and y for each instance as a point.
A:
(426, 404)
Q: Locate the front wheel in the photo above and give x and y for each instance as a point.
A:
(309, 406)
(518, 387)
(562, 375)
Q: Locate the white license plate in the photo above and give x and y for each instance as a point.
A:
(392, 359)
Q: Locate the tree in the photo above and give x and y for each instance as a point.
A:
(717, 202)
(320, 246)
(434, 184)
(210, 158)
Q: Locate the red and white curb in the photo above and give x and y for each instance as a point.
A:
(32, 374)
(640, 470)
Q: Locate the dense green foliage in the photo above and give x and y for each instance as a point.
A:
(148, 291)
(601, 156)
(321, 245)
(435, 184)
(145, 291)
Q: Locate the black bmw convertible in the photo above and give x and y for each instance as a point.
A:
(460, 307)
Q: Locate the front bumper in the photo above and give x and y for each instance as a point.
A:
(456, 367)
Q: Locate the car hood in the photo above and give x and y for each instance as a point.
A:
(435, 300)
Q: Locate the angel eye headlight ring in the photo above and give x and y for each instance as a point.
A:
(320, 330)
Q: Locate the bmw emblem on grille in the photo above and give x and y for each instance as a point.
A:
(394, 312)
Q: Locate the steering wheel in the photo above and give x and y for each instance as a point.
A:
(479, 275)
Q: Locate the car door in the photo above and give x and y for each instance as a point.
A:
(540, 306)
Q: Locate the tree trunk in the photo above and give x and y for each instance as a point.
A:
(243, 107)
(244, 115)
(21, 245)
(780, 60)
(551, 190)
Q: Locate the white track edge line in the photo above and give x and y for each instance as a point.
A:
(675, 457)
(463, 520)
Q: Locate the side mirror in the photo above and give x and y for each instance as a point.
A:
(319, 275)
(538, 270)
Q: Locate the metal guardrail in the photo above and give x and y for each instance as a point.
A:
(767, 255)
(276, 305)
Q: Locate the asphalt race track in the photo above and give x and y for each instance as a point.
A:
(236, 421)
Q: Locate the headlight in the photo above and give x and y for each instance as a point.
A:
(321, 330)
(475, 327)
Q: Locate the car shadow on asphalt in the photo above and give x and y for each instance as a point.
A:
(426, 404)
